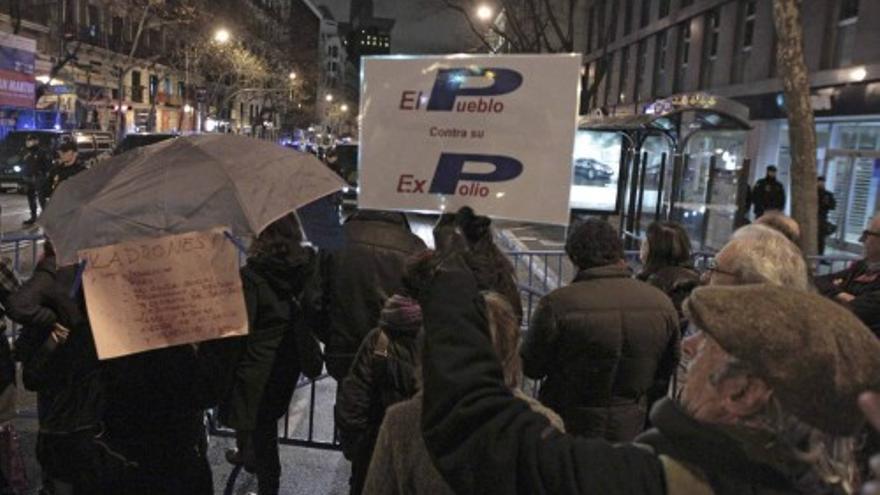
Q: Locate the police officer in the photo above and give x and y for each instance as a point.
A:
(826, 204)
(768, 194)
(36, 164)
(67, 166)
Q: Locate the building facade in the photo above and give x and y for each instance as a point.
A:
(640, 51)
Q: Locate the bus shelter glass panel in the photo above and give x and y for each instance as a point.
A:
(707, 201)
(596, 170)
(657, 153)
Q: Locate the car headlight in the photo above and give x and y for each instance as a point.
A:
(16, 169)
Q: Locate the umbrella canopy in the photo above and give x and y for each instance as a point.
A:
(183, 185)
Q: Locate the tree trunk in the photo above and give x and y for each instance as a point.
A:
(801, 121)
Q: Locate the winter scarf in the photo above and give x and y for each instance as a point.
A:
(401, 314)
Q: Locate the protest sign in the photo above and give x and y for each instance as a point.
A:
(492, 132)
(157, 293)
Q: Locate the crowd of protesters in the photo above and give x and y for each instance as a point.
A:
(746, 378)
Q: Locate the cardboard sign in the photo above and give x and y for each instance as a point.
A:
(492, 132)
(163, 292)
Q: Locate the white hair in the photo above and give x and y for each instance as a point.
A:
(760, 255)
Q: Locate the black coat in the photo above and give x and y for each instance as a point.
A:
(602, 343)
(36, 163)
(60, 173)
(677, 282)
(383, 374)
(767, 194)
(68, 377)
(485, 441)
(358, 279)
(268, 367)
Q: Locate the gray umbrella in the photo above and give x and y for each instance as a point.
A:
(183, 185)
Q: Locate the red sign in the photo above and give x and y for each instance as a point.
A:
(16, 89)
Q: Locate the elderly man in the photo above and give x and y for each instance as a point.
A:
(758, 254)
(770, 406)
(602, 342)
(858, 287)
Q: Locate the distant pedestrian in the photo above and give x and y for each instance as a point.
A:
(358, 279)
(401, 463)
(68, 165)
(827, 203)
(602, 342)
(36, 164)
(384, 370)
(270, 360)
(768, 193)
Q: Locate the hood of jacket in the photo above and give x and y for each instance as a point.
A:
(282, 275)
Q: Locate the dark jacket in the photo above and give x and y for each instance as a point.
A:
(68, 376)
(358, 279)
(767, 194)
(60, 173)
(602, 343)
(862, 281)
(268, 368)
(826, 204)
(36, 163)
(677, 282)
(485, 441)
(383, 373)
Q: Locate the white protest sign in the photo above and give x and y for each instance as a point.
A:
(157, 293)
(492, 132)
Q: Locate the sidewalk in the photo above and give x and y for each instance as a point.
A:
(306, 471)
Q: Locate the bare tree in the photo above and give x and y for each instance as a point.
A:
(801, 121)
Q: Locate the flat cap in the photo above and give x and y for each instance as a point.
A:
(815, 354)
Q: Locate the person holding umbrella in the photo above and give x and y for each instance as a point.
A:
(272, 356)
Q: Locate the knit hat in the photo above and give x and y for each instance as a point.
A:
(815, 354)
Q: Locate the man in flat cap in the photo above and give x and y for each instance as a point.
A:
(770, 405)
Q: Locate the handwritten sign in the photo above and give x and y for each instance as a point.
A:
(163, 292)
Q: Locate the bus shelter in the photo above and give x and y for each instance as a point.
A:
(683, 159)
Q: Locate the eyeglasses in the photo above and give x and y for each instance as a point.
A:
(868, 233)
(712, 267)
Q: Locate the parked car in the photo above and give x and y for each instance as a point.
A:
(589, 172)
(94, 146)
(132, 141)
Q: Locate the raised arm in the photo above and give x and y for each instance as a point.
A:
(482, 439)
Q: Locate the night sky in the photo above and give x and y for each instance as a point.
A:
(423, 26)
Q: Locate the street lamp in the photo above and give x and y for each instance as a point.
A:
(329, 98)
(485, 13)
(292, 75)
(222, 36)
(344, 108)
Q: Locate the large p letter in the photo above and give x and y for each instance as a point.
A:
(447, 86)
(450, 171)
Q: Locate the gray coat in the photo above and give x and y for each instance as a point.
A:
(401, 464)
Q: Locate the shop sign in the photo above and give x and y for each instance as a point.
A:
(17, 56)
